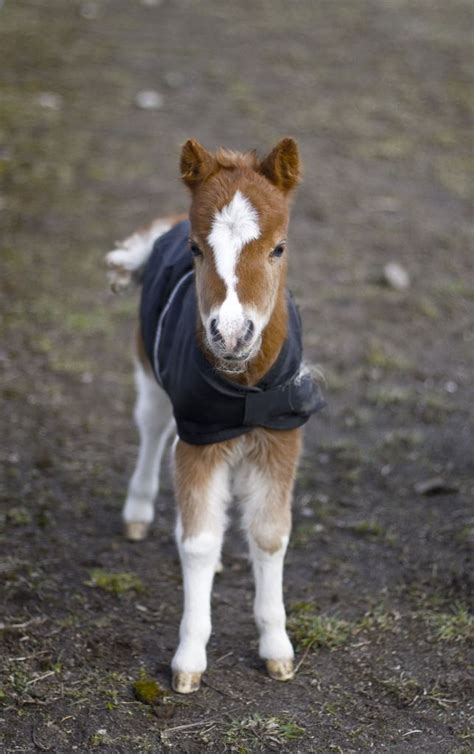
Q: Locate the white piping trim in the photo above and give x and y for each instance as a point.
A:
(159, 328)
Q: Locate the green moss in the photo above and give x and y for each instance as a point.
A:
(369, 529)
(116, 583)
(147, 690)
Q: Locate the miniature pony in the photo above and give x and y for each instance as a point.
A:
(219, 348)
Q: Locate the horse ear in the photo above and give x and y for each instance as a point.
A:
(282, 165)
(196, 163)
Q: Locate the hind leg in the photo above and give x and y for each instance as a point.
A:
(153, 417)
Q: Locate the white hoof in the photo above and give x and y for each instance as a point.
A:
(280, 670)
(186, 683)
(136, 531)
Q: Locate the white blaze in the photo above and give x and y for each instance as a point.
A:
(233, 227)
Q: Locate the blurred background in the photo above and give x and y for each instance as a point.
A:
(96, 98)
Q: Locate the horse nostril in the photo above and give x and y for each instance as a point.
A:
(214, 330)
(249, 331)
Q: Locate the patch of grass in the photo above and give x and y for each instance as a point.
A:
(465, 536)
(403, 438)
(404, 689)
(430, 407)
(433, 408)
(369, 529)
(344, 451)
(427, 307)
(18, 516)
(71, 365)
(457, 626)
(116, 583)
(379, 618)
(309, 629)
(407, 691)
(304, 533)
(100, 738)
(92, 321)
(454, 172)
(387, 396)
(379, 357)
(335, 382)
(372, 531)
(264, 730)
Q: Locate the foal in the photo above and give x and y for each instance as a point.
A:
(219, 346)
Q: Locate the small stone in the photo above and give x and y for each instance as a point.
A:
(384, 204)
(151, 3)
(396, 276)
(174, 79)
(434, 486)
(89, 11)
(451, 386)
(50, 100)
(149, 100)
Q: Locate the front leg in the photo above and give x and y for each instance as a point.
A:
(202, 493)
(265, 490)
(274, 645)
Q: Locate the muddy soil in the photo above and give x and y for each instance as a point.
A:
(379, 572)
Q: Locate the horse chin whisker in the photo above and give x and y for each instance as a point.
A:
(232, 367)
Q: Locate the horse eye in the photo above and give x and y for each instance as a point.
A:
(195, 250)
(278, 250)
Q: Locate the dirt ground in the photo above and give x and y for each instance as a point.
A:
(379, 572)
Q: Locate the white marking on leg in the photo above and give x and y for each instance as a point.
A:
(153, 417)
(262, 520)
(199, 558)
(233, 227)
(269, 609)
